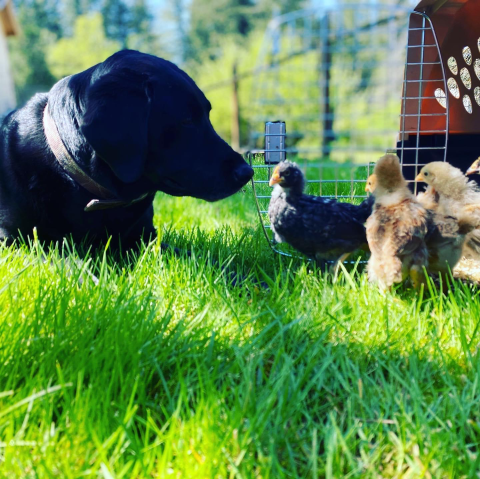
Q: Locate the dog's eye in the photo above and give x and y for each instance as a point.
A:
(187, 122)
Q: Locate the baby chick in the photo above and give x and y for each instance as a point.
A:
(454, 189)
(320, 228)
(474, 167)
(445, 236)
(445, 240)
(396, 229)
(371, 183)
(456, 196)
(429, 198)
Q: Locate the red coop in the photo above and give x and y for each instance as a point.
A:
(440, 117)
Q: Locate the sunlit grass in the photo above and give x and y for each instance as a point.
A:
(229, 362)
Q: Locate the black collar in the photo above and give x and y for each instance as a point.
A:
(109, 200)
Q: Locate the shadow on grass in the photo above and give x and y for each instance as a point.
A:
(166, 366)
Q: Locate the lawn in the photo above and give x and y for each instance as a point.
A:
(231, 363)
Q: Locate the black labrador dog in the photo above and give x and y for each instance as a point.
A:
(86, 159)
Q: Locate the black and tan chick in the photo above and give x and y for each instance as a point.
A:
(396, 230)
(323, 229)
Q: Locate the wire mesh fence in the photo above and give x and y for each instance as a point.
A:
(335, 76)
(341, 181)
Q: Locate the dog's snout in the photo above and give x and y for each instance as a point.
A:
(243, 173)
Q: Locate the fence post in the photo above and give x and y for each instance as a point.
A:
(235, 110)
(327, 111)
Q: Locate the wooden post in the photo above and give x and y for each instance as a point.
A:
(235, 111)
(327, 111)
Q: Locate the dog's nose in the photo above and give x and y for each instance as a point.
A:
(242, 174)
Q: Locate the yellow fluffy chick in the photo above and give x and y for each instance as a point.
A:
(474, 168)
(454, 189)
(396, 229)
(456, 196)
(429, 198)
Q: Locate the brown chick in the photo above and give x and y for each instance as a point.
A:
(446, 234)
(396, 229)
(455, 196)
(445, 240)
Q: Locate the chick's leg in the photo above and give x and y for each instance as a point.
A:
(417, 276)
(336, 266)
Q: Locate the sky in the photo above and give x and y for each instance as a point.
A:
(165, 24)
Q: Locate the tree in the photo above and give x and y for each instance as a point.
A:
(41, 26)
(73, 9)
(211, 22)
(87, 47)
(140, 35)
(177, 13)
(116, 20)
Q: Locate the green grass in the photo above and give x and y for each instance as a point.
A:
(167, 369)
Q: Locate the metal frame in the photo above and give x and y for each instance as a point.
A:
(273, 31)
(427, 26)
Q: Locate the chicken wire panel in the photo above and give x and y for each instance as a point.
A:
(425, 104)
(335, 76)
(340, 181)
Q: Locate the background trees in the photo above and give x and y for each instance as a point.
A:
(210, 39)
(207, 38)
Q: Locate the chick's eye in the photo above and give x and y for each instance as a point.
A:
(286, 173)
(426, 173)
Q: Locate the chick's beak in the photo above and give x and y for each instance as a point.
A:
(420, 177)
(275, 179)
(475, 168)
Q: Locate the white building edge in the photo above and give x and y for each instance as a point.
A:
(8, 27)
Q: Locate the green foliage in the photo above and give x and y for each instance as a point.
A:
(214, 77)
(141, 36)
(40, 28)
(212, 22)
(167, 368)
(87, 47)
(116, 20)
(72, 9)
(61, 37)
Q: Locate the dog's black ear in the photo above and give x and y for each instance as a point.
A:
(115, 122)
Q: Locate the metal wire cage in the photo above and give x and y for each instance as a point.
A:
(441, 93)
(335, 77)
(344, 182)
(424, 118)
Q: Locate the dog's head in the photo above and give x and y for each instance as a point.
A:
(147, 119)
